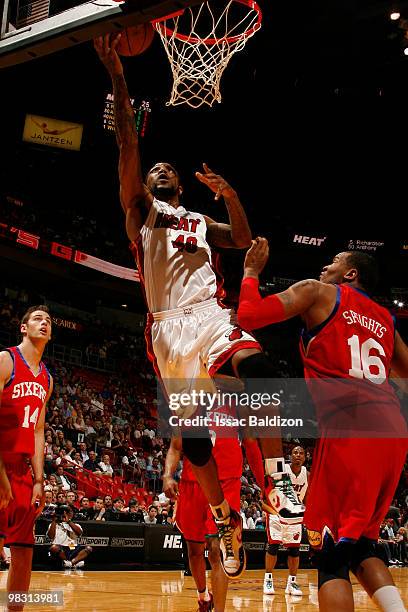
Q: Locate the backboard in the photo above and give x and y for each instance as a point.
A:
(27, 39)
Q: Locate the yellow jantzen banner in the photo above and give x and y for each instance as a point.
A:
(52, 132)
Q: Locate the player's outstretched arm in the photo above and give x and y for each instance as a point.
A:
(133, 193)
(6, 369)
(254, 311)
(170, 486)
(237, 234)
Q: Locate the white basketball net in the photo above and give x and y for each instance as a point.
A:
(199, 44)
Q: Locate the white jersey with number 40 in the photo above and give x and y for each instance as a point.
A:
(175, 262)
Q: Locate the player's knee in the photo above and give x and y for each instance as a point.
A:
(272, 549)
(256, 366)
(55, 549)
(88, 550)
(294, 551)
(198, 450)
(363, 549)
(195, 549)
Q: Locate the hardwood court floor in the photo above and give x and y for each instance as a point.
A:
(170, 591)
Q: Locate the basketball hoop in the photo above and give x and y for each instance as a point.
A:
(200, 41)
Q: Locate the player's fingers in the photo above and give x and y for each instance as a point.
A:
(207, 169)
(115, 41)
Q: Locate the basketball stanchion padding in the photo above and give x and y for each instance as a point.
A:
(200, 41)
(136, 39)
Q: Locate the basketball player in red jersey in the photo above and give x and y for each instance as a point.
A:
(25, 386)
(190, 334)
(348, 348)
(193, 515)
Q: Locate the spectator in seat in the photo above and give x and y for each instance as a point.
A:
(49, 507)
(85, 509)
(107, 502)
(98, 510)
(61, 480)
(92, 464)
(117, 507)
(72, 500)
(151, 518)
(105, 466)
(83, 451)
(64, 534)
(402, 545)
(61, 499)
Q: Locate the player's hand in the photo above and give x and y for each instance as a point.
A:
(38, 497)
(216, 183)
(256, 257)
(105, 46)
(6, 494)
(170, 487)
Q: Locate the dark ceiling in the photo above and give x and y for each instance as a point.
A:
(311, 131)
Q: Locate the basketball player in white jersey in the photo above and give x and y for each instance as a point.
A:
(191, 334)
(289, 535)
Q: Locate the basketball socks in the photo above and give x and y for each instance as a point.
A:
(291, 579)
(388, 599)
(275, 466)
(222, 512)
(203, 595)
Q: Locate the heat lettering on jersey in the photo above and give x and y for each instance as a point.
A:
(26, 389)
(172, 222)
(354, 317)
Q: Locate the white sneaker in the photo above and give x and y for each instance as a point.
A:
(281, 499)
(293, 589)
(79, 564)
(67, 563)
(233, 559)
(268, 586)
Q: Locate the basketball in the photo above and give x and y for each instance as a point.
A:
(136, 39)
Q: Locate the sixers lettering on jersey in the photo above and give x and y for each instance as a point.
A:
(354, 346)
(22, 400)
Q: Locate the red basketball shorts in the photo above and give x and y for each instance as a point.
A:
(17, 520)
(193, 515)
(352, 485)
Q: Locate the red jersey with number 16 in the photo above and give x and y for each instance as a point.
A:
(22, 400)
(347, 360)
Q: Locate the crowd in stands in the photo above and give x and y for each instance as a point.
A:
(68, 228)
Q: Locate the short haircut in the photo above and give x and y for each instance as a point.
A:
(367, 268)
(32, 309)
(154, 508)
